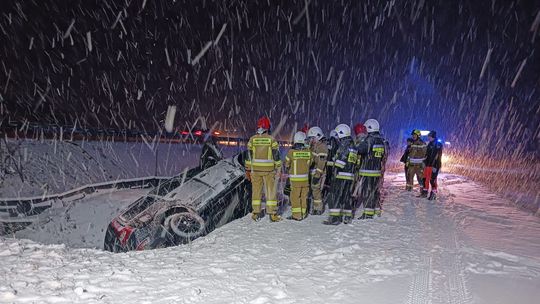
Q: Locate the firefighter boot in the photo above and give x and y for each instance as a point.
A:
(333, 220)
(255, 216)
(424, 193)
(347, 219)
(275, 218)
(432, 196)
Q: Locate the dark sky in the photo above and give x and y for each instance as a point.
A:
(409, 64)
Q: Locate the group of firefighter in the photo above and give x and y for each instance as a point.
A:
(344, 170)
(423, 161)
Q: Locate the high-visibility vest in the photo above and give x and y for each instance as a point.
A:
(264, 153)
(298, 163)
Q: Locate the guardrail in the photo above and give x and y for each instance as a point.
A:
(17, 213)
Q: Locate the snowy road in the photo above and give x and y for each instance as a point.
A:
(467, 247)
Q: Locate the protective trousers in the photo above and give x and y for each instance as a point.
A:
(370, 195)
(266, 180)
(316, 191)
(409, 180)
(430, 177)
(341, 200)
(299, 195)
(415, 169)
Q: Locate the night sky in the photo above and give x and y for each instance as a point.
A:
(469, 69)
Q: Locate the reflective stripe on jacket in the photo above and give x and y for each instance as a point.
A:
(297, 163)
(264, 153)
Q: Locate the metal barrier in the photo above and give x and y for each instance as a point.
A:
(17, 213)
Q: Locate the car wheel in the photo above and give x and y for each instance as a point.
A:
(185, 226)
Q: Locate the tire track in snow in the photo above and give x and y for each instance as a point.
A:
(456, 291)
(420, 290)
(441, 278)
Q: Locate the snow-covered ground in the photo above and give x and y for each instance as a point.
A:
(468, 247)
(82, 223)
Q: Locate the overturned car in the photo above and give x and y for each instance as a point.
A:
(182, 208)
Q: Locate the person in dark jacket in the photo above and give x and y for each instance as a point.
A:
(211, 154)
(332, 143)
(345, 159)
(433, 164)
(373, 151)
(405, 160)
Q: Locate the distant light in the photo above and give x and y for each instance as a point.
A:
(446, 159)
(228, 143)
(198, 133)
(447, 143)
(185, 132)
(424, 133)
(217, 133)
(439, 140)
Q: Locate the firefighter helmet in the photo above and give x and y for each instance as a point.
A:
(315, 132)
(333, 134)
(299, 137)
(343, 130)
(263, 123)
(416, 132)
(372, 125)
(359, 129)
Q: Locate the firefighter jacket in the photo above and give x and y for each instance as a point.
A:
(319, 151)
(332, 145)
(345, 160)
(417, 152)
(434, 154)
(405, 157)
(374, 151)
(264, 153)
(298, 161)
(359, 142)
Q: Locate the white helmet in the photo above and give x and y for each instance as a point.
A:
(333, 134)
(343, 130)
(372, 125)
(299, 137)
(315, 132)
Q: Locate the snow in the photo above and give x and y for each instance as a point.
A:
(53, 166)
(467, 247)
(81, 223)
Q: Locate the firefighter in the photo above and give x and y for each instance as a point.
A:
(417, 155)
(297, 163)
(405, 160)
(332, 145)
(262, 168)
(345, 159)
(374, 151)
(433, 164)
(319, 150)
(360, 133)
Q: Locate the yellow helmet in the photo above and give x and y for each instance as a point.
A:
(416, 131)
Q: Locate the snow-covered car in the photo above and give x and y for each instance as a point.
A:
(182, 208)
